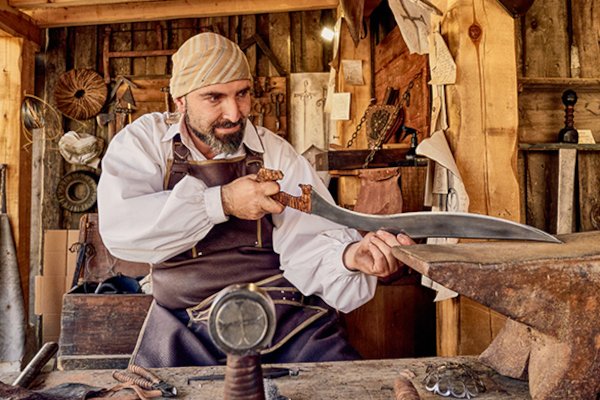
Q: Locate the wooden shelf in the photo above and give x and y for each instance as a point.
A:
(581, 84)
(354, 159)
(557, 146)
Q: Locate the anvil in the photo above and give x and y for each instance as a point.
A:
(553, 289)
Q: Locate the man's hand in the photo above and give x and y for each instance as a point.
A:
(246, 198)
(373, 254)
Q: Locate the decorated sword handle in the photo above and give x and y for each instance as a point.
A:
(301, 203)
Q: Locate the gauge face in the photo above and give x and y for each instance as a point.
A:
(242, 319)
(241, 323)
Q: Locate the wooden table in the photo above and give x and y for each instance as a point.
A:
(368, 380)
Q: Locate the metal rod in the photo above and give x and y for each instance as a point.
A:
(32, 370)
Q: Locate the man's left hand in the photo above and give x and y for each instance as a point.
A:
(373, 254)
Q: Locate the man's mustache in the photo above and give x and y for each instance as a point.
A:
(227, 124)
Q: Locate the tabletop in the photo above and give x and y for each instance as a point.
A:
(368, 379)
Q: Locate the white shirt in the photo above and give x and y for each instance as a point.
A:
(140, 221)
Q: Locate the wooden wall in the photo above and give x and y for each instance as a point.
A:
(559, 50)
(82, 47)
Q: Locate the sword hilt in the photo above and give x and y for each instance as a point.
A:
(301, 203)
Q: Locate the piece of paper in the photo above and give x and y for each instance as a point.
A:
(585, 136)
(414, 22)
(444, 191)
(353, 72)
(439, 117)
(340, 106)
(441, 63)
(309, 123)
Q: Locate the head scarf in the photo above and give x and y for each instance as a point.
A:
(207, 59)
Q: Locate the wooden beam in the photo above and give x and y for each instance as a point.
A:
(354, 159)
(15, 23)
(482, 133)
(164, 10)
(65, 3)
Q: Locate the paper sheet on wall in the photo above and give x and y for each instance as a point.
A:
(439, 116)
(353, 72)
(441, 64)
(444, 191)
(309, 123)
(414, 22)
(340, 106)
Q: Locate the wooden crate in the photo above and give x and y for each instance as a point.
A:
(100, 331)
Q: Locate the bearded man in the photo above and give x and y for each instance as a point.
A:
(185, 198)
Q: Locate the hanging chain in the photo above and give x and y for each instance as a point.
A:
(404, 100)
(358, 126)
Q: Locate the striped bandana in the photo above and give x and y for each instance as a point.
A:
(207, 59)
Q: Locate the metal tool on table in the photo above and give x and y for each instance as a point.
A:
(32, 370)
(277, 99)
(241, 322)
(414, 224)
(268, 373)
(145, 383)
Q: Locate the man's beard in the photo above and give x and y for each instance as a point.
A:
(227, 144)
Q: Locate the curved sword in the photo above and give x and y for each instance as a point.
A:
(416, 224)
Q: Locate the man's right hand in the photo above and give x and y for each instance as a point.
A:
(246, 198)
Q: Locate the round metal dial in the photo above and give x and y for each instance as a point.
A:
(242, 319)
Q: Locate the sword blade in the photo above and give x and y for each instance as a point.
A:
(430, 223)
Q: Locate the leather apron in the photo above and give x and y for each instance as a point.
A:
(175, 332)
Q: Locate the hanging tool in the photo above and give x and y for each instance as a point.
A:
(277, 99)
(144, 382)
(261, 110)
(129, 100)
(109, 120)
(417, 225)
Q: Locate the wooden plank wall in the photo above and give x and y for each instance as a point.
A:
(81, 47)
(559, 50)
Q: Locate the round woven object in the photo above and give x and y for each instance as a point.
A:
(80, 93)
(76, 191)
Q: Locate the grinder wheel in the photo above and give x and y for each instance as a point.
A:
(76, 191)
(242, 319)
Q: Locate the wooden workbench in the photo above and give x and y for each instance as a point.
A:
(372, 379)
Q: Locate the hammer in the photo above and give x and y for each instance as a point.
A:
(107, 119)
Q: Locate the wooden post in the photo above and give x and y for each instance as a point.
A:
(483, 120)
(17, 65)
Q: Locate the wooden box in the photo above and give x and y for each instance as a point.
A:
(100, 331)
